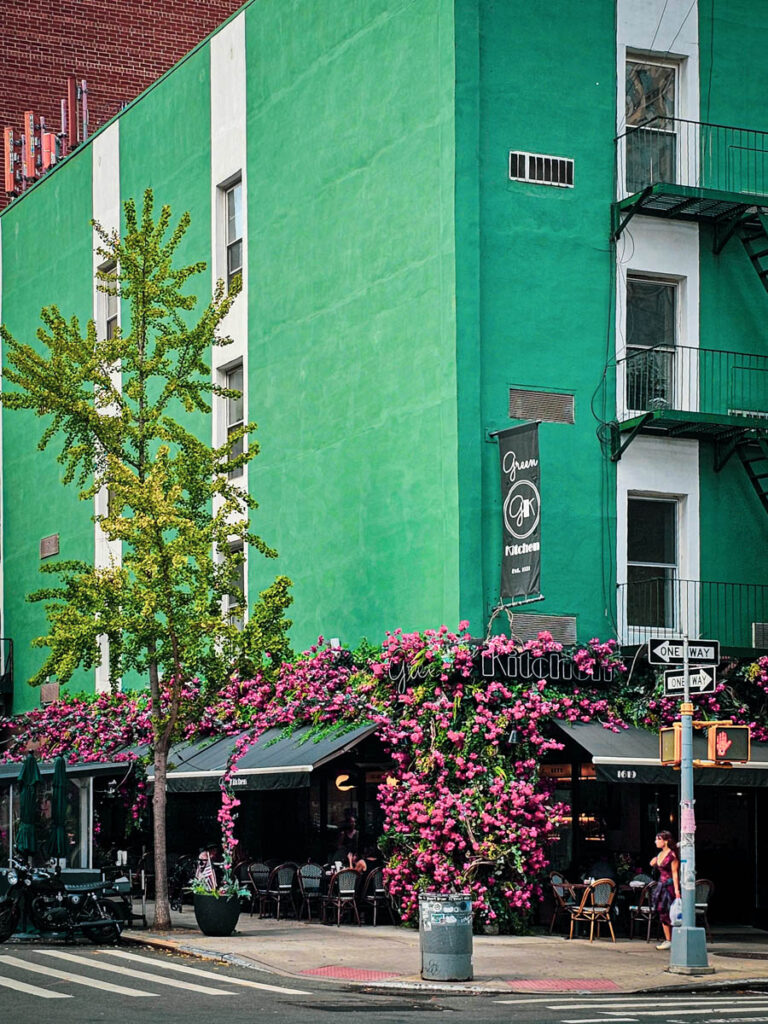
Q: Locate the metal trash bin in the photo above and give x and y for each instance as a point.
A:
(445, 936)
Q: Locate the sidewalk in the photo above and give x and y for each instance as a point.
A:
(388, 957)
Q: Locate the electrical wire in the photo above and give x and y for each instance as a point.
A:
(669, 48)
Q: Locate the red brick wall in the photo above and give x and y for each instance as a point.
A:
(119, 47)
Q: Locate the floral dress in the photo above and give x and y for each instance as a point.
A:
(664, 892)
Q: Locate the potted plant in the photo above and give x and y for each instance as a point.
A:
(217, 903)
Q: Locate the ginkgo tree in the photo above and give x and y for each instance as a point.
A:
(128, 411)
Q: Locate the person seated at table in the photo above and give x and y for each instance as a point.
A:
(350, 834)
(342, 854)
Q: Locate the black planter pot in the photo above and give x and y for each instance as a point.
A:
(216, 915)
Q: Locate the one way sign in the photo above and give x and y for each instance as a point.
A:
(662, 651)
(700, 681)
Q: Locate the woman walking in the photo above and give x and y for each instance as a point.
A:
(668, 885)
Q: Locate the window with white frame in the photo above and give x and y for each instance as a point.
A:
(652, 561)
(235, 599)
(651, 337)
(651, 130)
(233, 197)
(235, 404)
(109, 305)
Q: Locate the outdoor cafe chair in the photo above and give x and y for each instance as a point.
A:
(596, 907)
(258, 879)
(704, 890)
(375, 895)
(563, 896)
(309, 877)
(643, 911)
(280, 889)
(341, 895)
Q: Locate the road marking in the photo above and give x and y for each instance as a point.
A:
(32, 990)
(75, 979)
(169, 965)
(627, 1002)
(157, 979)
(641, 1004)
(675, 1012)
(598, 1020)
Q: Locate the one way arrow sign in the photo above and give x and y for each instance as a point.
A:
(700, 681)
(662, 651)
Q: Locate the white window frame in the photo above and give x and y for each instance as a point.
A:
(229, 425)
(229, 601)
(675, 396)
(662, 566)
(230, 241)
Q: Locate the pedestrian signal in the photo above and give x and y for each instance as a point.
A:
(669, 744)
(728, 743)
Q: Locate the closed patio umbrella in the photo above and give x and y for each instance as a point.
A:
(59, 809)
(28, 778)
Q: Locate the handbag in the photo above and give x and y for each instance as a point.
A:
(676, 912)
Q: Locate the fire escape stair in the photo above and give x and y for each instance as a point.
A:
(754, 459)
(754, 236)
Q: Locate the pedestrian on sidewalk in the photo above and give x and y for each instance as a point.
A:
(668, 886)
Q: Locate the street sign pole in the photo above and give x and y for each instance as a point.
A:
(688, 953)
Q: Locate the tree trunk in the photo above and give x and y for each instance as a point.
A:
(162, 921)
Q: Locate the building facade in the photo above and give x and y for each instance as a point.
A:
(450, 218)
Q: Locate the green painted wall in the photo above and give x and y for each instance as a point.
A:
(352, 372)
(540, 301)
(734, 304)
(46, 239)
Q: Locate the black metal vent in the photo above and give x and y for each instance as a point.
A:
(546, 406)
(527, 626)
(541, 169)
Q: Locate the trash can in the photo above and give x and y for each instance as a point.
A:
(445, 936)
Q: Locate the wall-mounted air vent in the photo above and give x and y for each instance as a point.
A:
(547, 406)
(540, 169)
(760, 634)
(528, 626)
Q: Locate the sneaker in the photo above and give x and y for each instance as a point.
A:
(664, 945)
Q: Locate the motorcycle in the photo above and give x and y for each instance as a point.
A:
(52, 906)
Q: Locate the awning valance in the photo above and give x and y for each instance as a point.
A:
(273, 762)
(632, 755)
(9, 771)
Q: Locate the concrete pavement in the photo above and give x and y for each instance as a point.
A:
(389, 957)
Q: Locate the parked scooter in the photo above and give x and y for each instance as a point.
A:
(52, 906)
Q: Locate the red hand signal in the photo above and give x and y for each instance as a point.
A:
(722, 744)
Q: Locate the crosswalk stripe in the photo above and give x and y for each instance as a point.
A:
(75, 979)
(627, 1002)
(32, 990)
(169, 965)
(672, 1004)
(156, 979)
(676, 1013)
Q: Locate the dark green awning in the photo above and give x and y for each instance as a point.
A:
(9, 770)
(632, 755)
(273, 762)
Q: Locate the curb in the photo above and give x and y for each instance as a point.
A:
(424, 987)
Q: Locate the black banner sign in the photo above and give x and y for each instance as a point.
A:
(521, 511)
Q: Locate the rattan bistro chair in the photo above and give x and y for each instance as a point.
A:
(309, 878)
(342, 895)
(258, 879)
(375, 895)
(643, 911)
(563, 895)
(704, 890)
(596, 906)
(280, 889)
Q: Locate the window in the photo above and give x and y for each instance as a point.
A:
(651, 91)
(234, 239)
(235, 599)
(234, 416)
(109, 304)
(651, 336)
(651, 562)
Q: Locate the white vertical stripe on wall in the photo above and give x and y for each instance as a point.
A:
(106, 210)
(666, 30)
(228, 162)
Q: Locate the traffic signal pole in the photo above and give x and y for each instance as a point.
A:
(688, 953)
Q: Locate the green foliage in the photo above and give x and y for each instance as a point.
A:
(263, 642)
(119, 408)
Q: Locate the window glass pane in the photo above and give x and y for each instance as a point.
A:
(235, 405)
(234, 259)
(650, 92)
(651, 531)
(650, 312)
(235, 213)
(650, 596)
